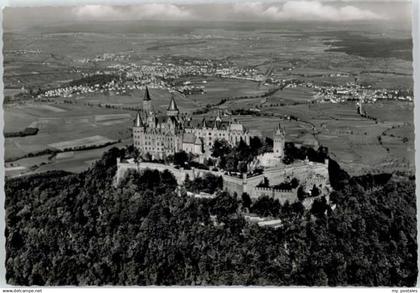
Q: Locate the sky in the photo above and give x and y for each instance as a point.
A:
(283, 10)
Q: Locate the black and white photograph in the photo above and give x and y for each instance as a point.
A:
(216, 143)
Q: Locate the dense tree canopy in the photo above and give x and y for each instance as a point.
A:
(78, 229)
(236, 159)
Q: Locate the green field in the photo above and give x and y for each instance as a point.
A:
(218, 88)
(78, 162)
(351, 139)
(160, 99)
(74, 122)
(291, 95)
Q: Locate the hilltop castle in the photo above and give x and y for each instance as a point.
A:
(162, 135)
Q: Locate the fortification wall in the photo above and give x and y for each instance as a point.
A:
(316, 173)
(122, 169)
(303, 171)
(281, 195)
(233, 184)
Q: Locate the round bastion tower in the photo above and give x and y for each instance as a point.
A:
(279, 138)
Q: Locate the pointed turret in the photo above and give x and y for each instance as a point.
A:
(172, 109)
(147, 101)
(147, 95)
(204, 124)
(138, 122)
(280, 130)
(138, 132)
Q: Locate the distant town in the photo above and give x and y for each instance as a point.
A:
(174, 74)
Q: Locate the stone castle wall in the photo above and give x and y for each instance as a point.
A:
(302, 171)
(281, 195)
(179, 174)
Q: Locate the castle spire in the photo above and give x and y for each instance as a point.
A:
(138, 122)
(147, 95)
(203, 123)
(172, 109)
(147, 102)
(280, 130)
(172, 105)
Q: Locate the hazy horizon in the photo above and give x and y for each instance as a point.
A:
(336, 12)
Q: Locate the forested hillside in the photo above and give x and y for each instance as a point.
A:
(77, 229)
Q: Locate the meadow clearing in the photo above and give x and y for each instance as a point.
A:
(73, 122)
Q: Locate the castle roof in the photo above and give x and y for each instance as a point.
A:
(198, 141)
(194, 123)
(138, 122)
(147, 95)
(172, 105)
(204, 125)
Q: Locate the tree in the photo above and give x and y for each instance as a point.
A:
(243, 151)
(266, 206)
(223, 205)
(268, 145)
(301, 194)
(231, 164)
(255, 145)
(246, 200)
(319, 207)
(315, 191)
(294, 183)
(242, 167)
(79, 229)
(220, 148)
(181, 158)
(147, 157)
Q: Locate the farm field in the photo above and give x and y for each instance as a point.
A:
(353, 140)
(160, 99)
(70, 161)
(95, 140)
(391, 111)
(74, 122)
(218, 88)
(291, 95)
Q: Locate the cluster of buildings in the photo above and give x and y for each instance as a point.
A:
(106, 57)
(163, 134)
(352, 91)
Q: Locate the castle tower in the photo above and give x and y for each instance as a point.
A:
(147, 102)
(138, 132)
(279, 138)
(172, 109)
